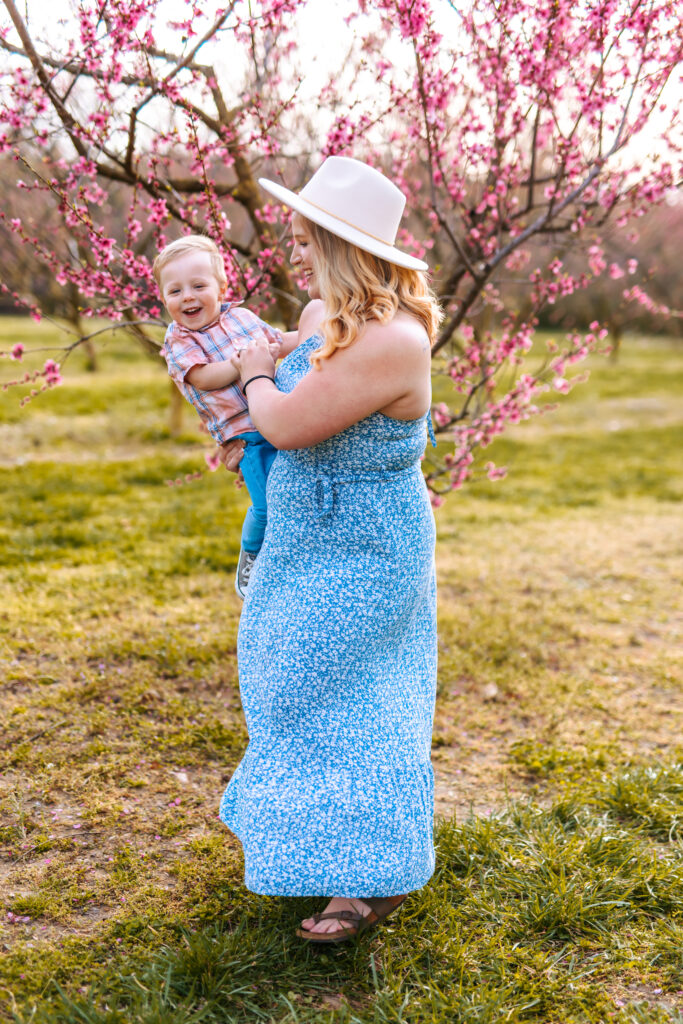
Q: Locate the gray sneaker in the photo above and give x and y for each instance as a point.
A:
(244, 567)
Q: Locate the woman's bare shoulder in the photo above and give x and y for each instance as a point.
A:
(404, 337)
(310, 319)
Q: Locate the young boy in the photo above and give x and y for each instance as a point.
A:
(198, 347)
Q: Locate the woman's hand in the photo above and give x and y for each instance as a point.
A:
(256, 358)
(231, 453)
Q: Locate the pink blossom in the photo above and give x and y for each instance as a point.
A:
(17, 352)
(441, 413)
(212, 460)
(596, 259)
(52, 373)
(509, 137)
(494, 472)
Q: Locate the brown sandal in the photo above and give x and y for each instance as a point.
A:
(380, 908)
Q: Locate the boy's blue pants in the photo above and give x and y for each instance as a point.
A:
(255, 465)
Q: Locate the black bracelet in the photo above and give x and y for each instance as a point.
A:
(258, 375)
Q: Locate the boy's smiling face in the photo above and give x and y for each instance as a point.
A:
(191, 291)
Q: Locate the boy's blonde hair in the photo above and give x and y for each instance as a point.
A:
(357, 287)
(190, 243)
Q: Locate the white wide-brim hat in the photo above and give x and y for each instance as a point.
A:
(355, 202)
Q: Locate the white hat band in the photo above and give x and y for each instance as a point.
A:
(350, 224)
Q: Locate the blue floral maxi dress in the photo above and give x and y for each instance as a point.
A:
(337, 662)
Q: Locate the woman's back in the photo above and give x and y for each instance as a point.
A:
(377, 444)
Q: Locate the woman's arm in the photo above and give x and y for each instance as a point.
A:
(388, 363)
(231, 452)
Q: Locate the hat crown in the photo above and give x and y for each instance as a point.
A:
(358, 195)
(354, 202)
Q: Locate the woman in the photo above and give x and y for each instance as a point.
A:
(337, 642)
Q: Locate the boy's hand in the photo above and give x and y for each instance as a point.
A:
(274, 348)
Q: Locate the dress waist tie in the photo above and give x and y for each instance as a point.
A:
(325, 484)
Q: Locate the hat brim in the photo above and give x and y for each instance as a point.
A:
(340, 228)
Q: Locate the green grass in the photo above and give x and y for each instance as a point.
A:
(533, 914)
(547, 476)
(558, 896)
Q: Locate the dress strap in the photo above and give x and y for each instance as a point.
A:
(430, 428)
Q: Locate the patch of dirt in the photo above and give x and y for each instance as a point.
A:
(612, 676)
(651, 996)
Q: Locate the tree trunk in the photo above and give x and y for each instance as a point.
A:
(616, 331)
(74, 317)
(175, 423)
(90, 356)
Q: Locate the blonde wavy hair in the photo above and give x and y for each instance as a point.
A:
(358, 287)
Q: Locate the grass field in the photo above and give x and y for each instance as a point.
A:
(558, 896)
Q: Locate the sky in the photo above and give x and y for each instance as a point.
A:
(325, 38)
(321, 28)
(324, 41)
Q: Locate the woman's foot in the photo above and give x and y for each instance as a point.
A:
(344, 918)
(333, 924)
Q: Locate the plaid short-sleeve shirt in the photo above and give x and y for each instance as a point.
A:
(224, 411)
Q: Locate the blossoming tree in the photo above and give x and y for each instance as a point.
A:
(519, 130)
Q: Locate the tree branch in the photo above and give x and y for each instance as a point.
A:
(65, 117)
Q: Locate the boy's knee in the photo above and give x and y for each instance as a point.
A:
(259, 515)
